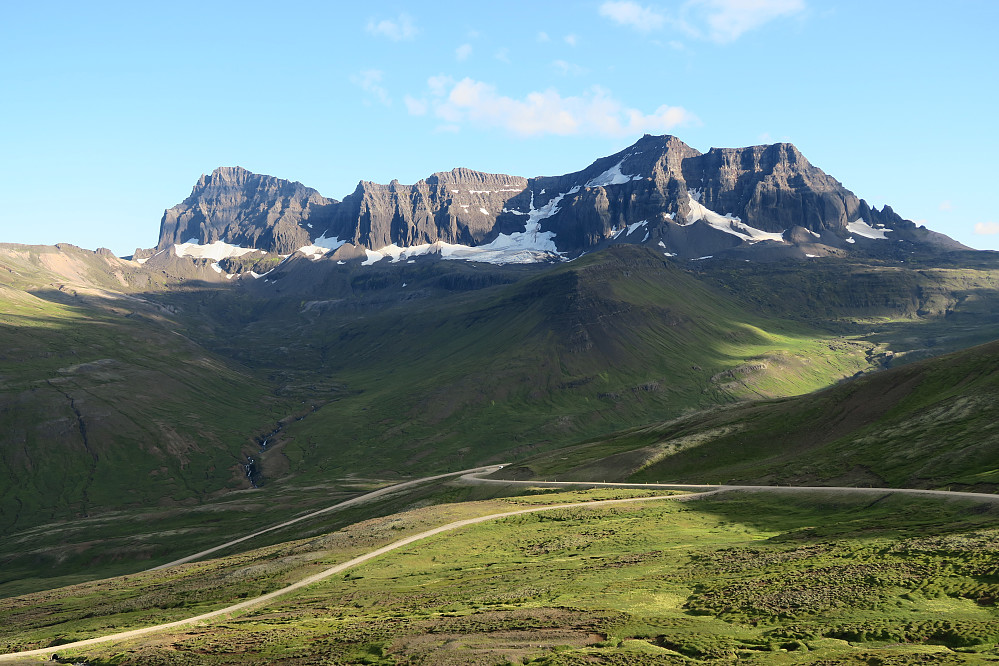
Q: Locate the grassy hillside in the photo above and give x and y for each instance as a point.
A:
(136, 392)
(932, 423)
(769, 579)
(922, 307)
(105, 407)
(584, 348)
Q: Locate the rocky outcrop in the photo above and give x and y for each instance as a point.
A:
(460, 206)
(772, 188)
(689, 203)
(246, 209)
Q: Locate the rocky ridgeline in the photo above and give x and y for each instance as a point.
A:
(689, 203)
(246, 209)
(460, 206)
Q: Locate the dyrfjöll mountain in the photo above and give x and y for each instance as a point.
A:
(765, 201)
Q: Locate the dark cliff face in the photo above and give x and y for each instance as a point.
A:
(247, 209)
(652, 184)
(460, 206)
(772, 188)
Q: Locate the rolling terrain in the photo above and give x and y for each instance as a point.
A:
(816, 578)
(927, 424)
(280, 360)
(174, 377)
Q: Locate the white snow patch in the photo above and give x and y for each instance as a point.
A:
(308, 225)
(728, 223)
(669, 254)
(313, 252)
(483, 211)
(403, 284)
(520, 247)
(328, 243)
(515, 212)
(814, 234)
(218, 250)
(632, 227)
(671, 216)
(480, 191)
(705, 257)
(397, 253)
(216, 267)
(321, 247)
(811, 256)
(850, 240)
(646, 237)
(861, 228)
(142, 261)
(542, 191)
(341, 262)
(612, 176)
(662, 245)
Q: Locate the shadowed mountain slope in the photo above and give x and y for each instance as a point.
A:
(931, 423)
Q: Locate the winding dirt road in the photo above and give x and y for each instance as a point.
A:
(470, 476)
(235, 608)
(475, 478)
(354, 501)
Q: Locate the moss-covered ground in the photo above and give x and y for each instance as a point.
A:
(749, 577)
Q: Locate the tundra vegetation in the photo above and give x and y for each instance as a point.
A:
(815, 578)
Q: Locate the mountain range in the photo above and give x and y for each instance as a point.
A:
(765, 201)
(278, 348)
(663, 315)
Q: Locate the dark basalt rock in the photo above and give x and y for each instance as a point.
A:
(246, 209)
(771, 187)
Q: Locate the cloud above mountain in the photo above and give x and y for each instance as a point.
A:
(720, 21)
(595, 112)
(398, 29)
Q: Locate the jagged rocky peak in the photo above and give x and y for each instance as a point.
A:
(770, 187)
(477, 180)
(460, 206)
(659, 191)
(246, 209)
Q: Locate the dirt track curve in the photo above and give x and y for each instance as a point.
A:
(471, 476)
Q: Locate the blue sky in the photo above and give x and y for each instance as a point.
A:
(111, 111)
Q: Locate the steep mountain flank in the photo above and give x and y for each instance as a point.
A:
(659, 192)
(929, 424)
(460, 207)
(245, 209)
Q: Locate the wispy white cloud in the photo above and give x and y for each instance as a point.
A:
(416, 107)
(720, 21)
(727, 20)
(946, 205)
(503, 55)
(632, 14)
(369, 80)
(594, 113)
(543, 37)
(401, 28)
(463, 51)
(987, 228)
(571, 39)
(566, 68)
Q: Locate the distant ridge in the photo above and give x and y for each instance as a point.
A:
(767, 200)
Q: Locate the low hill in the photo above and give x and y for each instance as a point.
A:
(928, 424)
